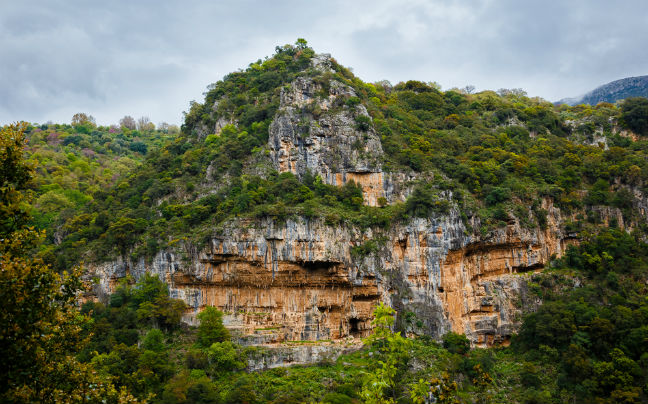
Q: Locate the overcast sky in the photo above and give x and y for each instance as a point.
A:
(151, 58)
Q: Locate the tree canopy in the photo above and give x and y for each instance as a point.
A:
(41, 329)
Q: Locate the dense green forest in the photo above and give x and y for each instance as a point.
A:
(79, 192)
(74, 163)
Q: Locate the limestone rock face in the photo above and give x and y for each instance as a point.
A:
(277, 355)
(315, 131)
(298, 280)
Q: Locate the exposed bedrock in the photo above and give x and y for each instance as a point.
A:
(330, 143)
(303, 280)
(298, 280)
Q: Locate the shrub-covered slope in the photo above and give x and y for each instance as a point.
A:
(489, 160)
(497, 152)
(73, 165)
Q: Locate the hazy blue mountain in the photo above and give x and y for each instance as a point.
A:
(613, 91)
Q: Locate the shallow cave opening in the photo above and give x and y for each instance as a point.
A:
(529, 268)
(354, 329)
(317, 265)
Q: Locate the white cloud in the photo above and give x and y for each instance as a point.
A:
(151, 58)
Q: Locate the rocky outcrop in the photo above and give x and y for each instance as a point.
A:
(278, 355)
(316, 131)
(304, 280)
(299, 281)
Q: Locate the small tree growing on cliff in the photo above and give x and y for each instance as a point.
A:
(151, 299)
(211, 328)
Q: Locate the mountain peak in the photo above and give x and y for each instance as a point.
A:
(612, 91)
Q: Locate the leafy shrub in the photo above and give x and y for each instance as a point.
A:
(353, 101)
(154, 340)
(497, 195)
(223, 357)
(363, 123)
(456, 343)
(211, 329)
(424, 201)
(634, 114)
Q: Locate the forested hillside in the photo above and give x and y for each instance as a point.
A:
(75, 162)
(498, 151)
(429, 245)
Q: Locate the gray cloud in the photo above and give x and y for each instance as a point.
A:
(151, 58)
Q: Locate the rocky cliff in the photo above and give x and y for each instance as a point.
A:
(302, 279)
(317, 130)
(298, 280)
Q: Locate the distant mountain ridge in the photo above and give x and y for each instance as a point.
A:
(613, 91)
